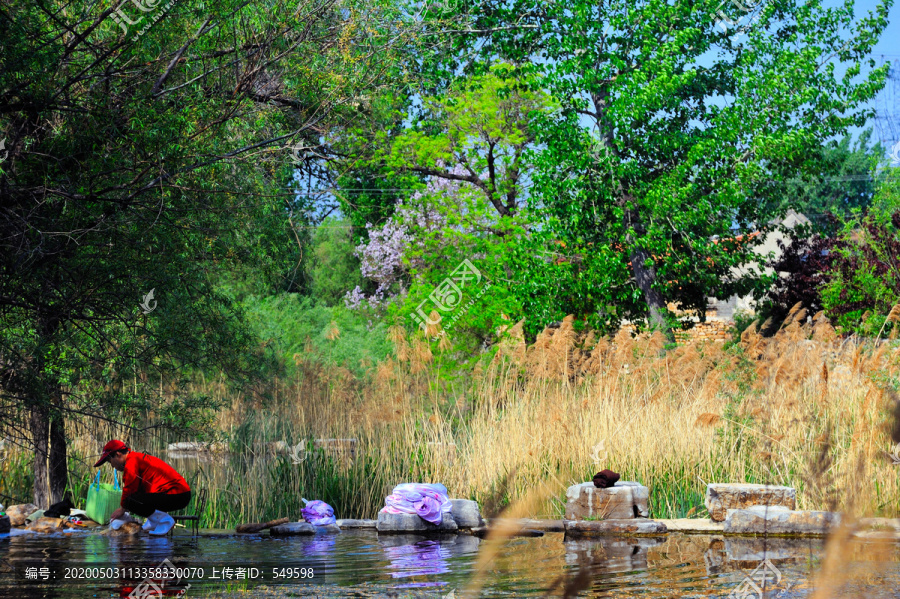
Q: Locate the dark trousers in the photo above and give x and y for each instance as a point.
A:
(144, 504)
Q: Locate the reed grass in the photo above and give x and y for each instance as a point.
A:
(803, 408)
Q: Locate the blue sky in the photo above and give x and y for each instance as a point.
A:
(888, 47)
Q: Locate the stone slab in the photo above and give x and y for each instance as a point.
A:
(626, 499)
(466, 513)
(721, 497)
(693, 525)
(328, 529)
(351, 523)
(631, 527)
(778, 520)
(292, 529)
(405, 523)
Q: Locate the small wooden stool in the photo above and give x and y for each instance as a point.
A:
(194, 519)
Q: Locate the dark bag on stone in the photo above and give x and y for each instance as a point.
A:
(5, 524)
(605, 479)
(63, 508)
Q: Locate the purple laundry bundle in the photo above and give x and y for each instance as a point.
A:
(429, 501)
(318, 513)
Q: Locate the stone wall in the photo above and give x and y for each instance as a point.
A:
(712, 330)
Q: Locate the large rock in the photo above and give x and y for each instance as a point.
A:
(631, 527)
(466, 513)
(721, 497)
(394, 523)
(49, 525)
(18, 513)
(778, 520)
(292, 529)
(624, 500)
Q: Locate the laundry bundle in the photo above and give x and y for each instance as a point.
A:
(429, 501)
(318, 513)
(605, 479)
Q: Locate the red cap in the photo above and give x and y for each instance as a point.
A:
(109, 449)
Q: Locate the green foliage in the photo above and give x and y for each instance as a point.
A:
(642, 177)
(840, 182)
(299, 326)
(153, 158)
(335, 269)
(483, 124)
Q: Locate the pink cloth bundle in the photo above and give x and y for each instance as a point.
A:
(429, 501)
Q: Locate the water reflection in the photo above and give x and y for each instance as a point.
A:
(413, 555)
(354, 562)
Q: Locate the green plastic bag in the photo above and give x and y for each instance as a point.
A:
(103, 499)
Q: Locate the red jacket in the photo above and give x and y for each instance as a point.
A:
(150, 474)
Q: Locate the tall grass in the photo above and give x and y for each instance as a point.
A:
(802, 408)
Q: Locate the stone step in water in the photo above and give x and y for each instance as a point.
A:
(626, 527)
(721, 497)
(778, 520)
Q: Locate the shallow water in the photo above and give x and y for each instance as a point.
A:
(362, 564)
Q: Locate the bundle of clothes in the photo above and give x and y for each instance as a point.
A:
(318, 513)
(429, 501)
(605, 479)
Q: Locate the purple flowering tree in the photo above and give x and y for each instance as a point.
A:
(398, 248)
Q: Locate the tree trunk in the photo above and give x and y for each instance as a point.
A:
(59, 472)
(40, 424)
(644, 275)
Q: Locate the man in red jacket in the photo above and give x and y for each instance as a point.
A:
(150, 487)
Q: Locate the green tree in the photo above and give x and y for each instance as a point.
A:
(335, 269)
(673, 131)
(482, 124)
(842, 181)
(146, 147)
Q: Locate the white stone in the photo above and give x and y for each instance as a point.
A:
(721, 497)
(778, 520)
(626, 499)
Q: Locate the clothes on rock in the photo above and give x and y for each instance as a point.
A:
(63, 508)
(430, 501)
(605, 479)
(318, 513)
